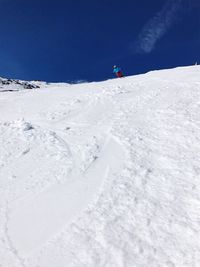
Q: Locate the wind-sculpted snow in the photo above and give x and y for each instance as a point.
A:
(102, 174)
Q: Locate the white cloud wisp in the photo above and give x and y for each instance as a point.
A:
(155, 29)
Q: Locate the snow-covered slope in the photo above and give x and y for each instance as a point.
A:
(102, 174)
(9, 85)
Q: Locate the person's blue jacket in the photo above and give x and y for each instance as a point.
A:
(117, 69)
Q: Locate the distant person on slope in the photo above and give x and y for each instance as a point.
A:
(118, 72)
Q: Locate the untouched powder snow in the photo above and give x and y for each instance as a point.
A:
(101, 174)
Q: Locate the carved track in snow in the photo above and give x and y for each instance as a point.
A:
(35, 220)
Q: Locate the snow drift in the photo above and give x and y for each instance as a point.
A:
(101, 174)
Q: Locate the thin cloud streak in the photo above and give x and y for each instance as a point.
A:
(156, 28)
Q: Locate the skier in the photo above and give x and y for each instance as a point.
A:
(118, 72)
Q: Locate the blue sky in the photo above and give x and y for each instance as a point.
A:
(72, 40)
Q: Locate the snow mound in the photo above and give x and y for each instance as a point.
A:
(102, 174)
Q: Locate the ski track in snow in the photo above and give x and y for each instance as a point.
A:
(30, 226)
(102, 174)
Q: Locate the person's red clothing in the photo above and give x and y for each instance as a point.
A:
(119, 74)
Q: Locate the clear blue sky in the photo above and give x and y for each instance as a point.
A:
(71, 40)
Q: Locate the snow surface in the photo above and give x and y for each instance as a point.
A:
(102, 174)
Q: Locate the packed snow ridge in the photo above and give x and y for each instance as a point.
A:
(101, 174)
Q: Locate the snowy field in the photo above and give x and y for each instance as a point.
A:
(101, 174)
